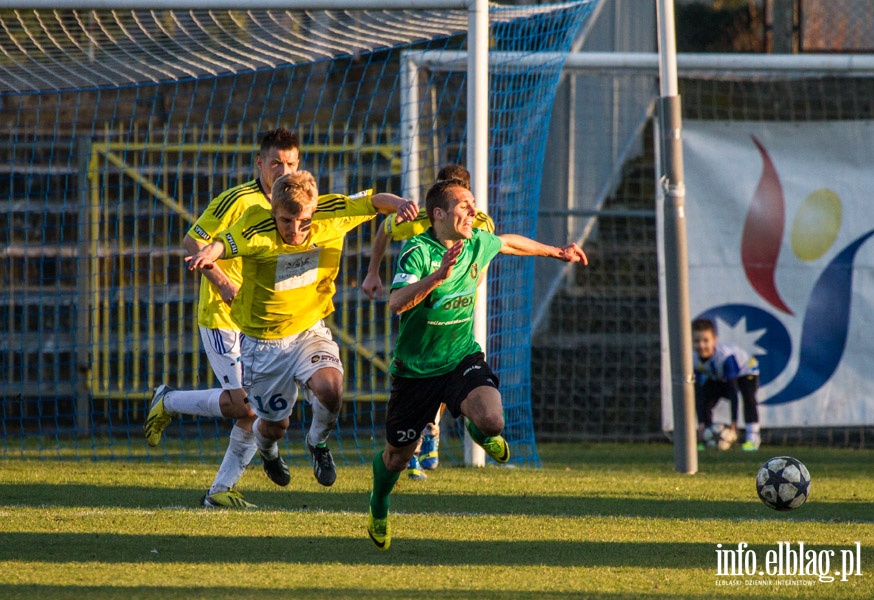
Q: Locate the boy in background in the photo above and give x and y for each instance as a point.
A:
(721, 371)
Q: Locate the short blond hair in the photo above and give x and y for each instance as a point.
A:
(295, 192)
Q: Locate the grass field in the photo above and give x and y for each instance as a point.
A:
(598, 521)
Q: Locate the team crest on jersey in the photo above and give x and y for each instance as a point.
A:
(474, 269)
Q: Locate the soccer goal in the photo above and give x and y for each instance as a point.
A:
(120, 124)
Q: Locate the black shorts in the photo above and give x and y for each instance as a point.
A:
(414, 401)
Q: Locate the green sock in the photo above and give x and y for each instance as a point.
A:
(475, 433)
(383, 482)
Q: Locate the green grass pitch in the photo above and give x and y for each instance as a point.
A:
(598, 521)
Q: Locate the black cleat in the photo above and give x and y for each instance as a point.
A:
(276, 470)
(323, 465)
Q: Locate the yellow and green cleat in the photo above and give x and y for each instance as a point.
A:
(379, 532)
(497, 448)
(229, 499)
(158, 417)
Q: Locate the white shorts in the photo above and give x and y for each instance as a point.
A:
(222, 348)
(274, 369)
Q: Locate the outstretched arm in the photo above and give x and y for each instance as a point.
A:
(405, 298)
(517, 245)
(372, 284)
(204, 260)
(215, 275)
(386, 203)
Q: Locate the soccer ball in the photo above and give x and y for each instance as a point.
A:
(783, 483)
(719, 437)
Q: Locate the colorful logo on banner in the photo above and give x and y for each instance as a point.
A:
(826, 319)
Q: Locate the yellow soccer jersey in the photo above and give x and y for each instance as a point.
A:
(223, 211)
(404, 231)
(287, 289)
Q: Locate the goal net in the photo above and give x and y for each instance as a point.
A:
(119, 127)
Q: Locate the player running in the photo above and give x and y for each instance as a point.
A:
(436, 358)
(426, 457)
(168, 402)
(279, 155)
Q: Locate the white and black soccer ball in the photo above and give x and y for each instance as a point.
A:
(783, 483)
(719, 436)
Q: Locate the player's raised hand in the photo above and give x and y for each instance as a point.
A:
(573, 253)
(450, 259)
(407, 211)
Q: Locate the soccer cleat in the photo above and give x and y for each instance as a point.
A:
(158, 417)
(323, 465)
(414, 470)
(276, 470)
(497, 448)
(228, 499)
(749, 446)
(379, 532)
(428, 452)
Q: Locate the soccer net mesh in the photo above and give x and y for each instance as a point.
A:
(119, 127)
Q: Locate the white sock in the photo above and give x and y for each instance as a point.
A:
(323, 423)
(204, 403)
(241, 449)
(267, 446)
(753, 432)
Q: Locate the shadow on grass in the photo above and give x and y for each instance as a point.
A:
(524, 503)
(412, 549)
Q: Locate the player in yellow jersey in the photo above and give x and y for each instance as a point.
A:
(290, 258)
(278, 155)
(426, 457)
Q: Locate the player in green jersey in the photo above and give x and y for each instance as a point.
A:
(436, 357)
(426, 457)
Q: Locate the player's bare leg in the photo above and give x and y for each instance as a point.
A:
(485, 421)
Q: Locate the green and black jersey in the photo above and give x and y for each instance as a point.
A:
(436, 334)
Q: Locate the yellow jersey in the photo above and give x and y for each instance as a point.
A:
(287, 289)
(223, 211)
(404, 231)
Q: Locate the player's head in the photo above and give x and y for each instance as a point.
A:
(279, 155)
(294, 200)
(703, 338)
(451, 209)
(454, 171)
